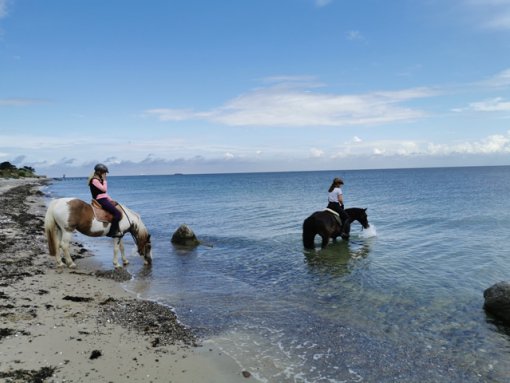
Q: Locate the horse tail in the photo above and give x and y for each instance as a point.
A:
(309, 232)
(50, 229)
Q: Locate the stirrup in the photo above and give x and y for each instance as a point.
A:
(116, 234)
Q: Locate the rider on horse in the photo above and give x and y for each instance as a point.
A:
(336, 203)
(99, 189)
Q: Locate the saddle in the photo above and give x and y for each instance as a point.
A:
(335, 214)
(101, 214)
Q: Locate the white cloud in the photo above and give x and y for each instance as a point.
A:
(172, 114)
(316, 153)
(500, 22)
(502, 79)
(492, 144)
(20, 101)
(496, 104)
(493, 105)
(3, 8)
(494, 14)
(401, 148)
(55, 157)
(294, 106)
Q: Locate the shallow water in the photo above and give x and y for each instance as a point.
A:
(401, 301)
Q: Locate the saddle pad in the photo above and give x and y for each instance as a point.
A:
(332, 212)
(101, 214)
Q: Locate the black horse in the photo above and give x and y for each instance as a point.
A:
(327, 225)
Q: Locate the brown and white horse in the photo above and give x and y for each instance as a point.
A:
(65, 215)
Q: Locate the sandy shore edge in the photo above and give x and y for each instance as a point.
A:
(77, 326)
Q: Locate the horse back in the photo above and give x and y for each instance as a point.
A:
(77, 214)
(321, 222)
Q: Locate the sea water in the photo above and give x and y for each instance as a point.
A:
(401, 301)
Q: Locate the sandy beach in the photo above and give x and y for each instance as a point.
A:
(80, 325)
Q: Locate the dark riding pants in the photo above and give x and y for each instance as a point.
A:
(110, 207)
(346, 222)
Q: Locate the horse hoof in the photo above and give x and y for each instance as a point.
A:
(117, 266)
(72, 266)
(125, 263)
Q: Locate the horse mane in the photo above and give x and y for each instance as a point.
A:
(139, 227)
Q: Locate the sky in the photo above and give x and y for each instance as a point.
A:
(200, 86)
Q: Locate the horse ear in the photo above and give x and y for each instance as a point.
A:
(365, 208)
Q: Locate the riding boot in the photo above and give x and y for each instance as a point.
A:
(114, 230)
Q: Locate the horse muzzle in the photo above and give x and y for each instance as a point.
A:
(148, 258)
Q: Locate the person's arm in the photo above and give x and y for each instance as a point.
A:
(341, 199)
(101, 186)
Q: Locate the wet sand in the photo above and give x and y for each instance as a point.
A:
(80, 325)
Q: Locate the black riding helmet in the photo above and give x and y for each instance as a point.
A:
(101, 168)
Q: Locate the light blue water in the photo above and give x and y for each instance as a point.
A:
(404, 305)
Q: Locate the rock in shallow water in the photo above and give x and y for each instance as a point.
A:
(184, 236)
(497, 300)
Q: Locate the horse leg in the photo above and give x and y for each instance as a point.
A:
(65, 245)
(346, 229)
(58, 258)
(325, 240)
(125, 262)
(116, 246)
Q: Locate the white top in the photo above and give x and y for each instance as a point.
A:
(333, 196)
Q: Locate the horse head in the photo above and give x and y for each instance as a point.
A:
(145, 248)
(363, 218)
(358, 214)
(142, 238)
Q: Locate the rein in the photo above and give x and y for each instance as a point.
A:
(130, 225)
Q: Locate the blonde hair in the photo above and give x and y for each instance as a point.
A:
(92, 175)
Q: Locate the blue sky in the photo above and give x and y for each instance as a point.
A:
(159, 87)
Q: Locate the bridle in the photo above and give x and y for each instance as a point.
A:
(131, 226)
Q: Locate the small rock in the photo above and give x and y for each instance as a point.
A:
(246, 374)
(184, 236)
(95, 354)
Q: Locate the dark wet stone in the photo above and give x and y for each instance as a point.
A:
(5, 332)
(184, 236)
(246, 374)
(95, 354)
(77, 299)
(497, 301)
(35, 376)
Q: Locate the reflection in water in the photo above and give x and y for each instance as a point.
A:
(144, 272)
(497, 325)
(336, 259)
